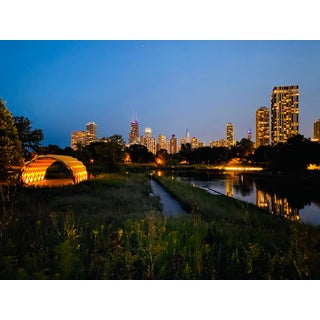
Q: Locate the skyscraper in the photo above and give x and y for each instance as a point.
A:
(134, 132)
(173, 144)
(149, 141)
(162, 143)
(229, 135)
(284, 113)
(316, 131)
(262, 127)
(78, 138)
(91, 132)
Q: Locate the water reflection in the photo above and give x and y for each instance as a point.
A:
(290, 199)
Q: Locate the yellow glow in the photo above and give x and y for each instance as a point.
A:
(35, 170)
(313, 167)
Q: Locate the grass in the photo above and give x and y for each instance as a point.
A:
(110, 228)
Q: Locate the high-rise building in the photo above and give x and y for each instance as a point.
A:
(173, 144)
(134, 132)
(149, 141)
(78, 138)
(162, 142)
(262, 127)
(316, 131)
(188, 136)
(194, 143)
(284, 113)
(229, 135)
(91, 132)
(218, 143)
(250, 134)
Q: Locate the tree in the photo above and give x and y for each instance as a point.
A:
(242, 149)
(10, 145)
(140, 154)
(30, 139)
(162, 157)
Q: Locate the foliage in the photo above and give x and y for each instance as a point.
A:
(140, 154)
(30, 139)
(110, 228)
(10, 145)
(290, 157)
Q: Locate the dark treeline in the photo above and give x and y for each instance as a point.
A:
(291, 157)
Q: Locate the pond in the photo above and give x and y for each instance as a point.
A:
(289, 198)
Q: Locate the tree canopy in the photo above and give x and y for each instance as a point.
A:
(10, 145)
(30, 139)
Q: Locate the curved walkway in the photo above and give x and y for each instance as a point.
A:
(170, 206)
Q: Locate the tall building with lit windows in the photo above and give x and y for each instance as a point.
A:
(134, 132)
(149, 141)
(91, 132)
(284, 113)
(173, 144)
(78, 138)
(229, 135)
(316, 131)
(262, 127)
(162, 142)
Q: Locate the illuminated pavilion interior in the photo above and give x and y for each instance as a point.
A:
(35, 170)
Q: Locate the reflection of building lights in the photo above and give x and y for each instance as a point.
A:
(280, 206)
(240, 168)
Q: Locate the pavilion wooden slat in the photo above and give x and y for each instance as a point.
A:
(35, 170)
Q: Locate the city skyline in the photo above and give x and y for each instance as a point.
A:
(170, 85)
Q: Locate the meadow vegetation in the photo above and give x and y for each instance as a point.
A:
(111, 228)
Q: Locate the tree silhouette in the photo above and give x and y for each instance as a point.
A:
(10, 145)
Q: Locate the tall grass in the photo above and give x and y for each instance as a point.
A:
(110, 228)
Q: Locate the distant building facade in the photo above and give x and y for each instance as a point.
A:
(91, 132)
(218, 143)
(229, 135)
(262, 127)
(316, 131)
(284, 113)
(78, 138)
(134, 132)
(149, 141)
(162, 142)
(173, 144)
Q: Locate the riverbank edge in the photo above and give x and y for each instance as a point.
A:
(218, 207)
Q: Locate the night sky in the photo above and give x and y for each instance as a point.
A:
(171, 85)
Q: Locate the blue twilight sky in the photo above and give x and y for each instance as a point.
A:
(171, 85)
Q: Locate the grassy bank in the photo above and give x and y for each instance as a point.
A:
(110, 228)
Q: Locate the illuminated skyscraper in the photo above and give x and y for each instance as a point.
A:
(284, 113)
(162, 142)
(194, 143)
(134, 132)
(173, 144)
(78, 138)
(91, 132)
(262, 127)
(149, 141)
(229, 135)
(316, 131)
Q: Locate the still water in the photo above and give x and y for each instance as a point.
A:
(291, 199)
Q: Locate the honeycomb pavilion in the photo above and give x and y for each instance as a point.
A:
(34, 171)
